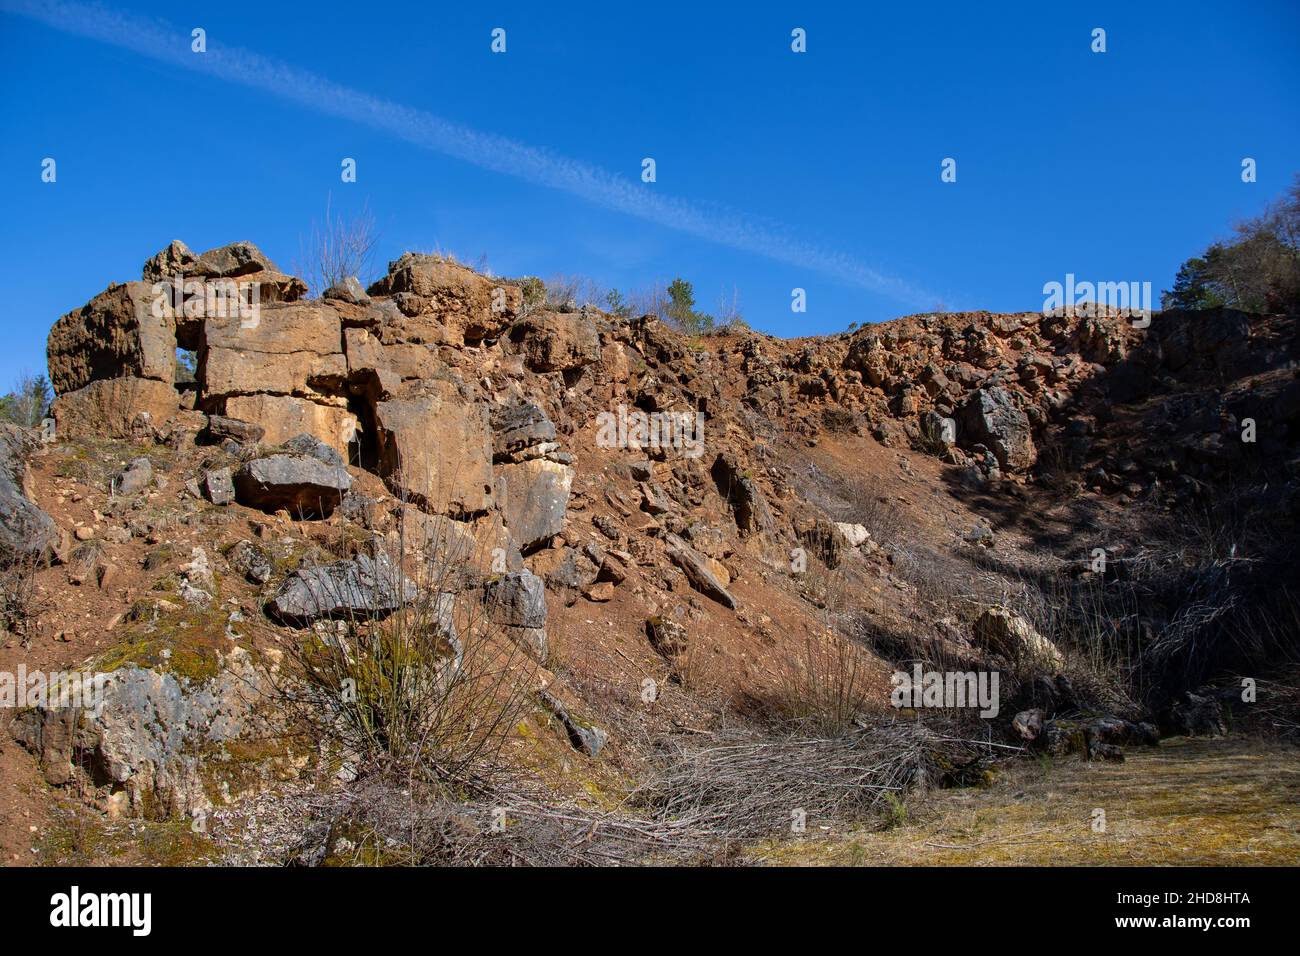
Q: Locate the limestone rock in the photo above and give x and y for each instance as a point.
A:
(436, 449)
(555, 342)
(1004, 632)
(25, 530)
(292, 349)
(535, 499)
(298, 484)
(991, 417)
(363, 587)
(108, 408)
(115, 334)
(281, 417)
(135, 477)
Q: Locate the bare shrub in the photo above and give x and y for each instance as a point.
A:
(826, 687)
(431, 690)
(743, 785)
(337, 248)
(21, 603)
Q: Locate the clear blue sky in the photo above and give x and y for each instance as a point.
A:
(775, 169)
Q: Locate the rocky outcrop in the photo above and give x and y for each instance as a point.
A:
(435, 449)
(26, 532)
(115, 334)
(145, 737)
(440, 302)
(558, 341)
(517, 602)
(292, 349)
(992, 418)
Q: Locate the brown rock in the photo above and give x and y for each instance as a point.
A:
(288, 350)
(437, 449)
(115, 334)
(281, 417)
(535, 499)
(108, 407)
(558, 341)
(443, 302)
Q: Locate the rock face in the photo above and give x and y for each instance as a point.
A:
(437, 450)
(556, 342)
(109, 407)
(748, 503)
(115, 334)
(147, 738)
(993, 419)
(299, 484)
(291, 349)
(364, 587)
(25, 530)
(283, 416)
(1004, 632)
(698, 572)
(135, 477)
(534, 500)
(443, 302)
(517, 601)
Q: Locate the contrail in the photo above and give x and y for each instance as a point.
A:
(161, 41)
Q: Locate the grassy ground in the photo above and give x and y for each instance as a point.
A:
(1230, 801)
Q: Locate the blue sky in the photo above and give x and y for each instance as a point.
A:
(775, 170)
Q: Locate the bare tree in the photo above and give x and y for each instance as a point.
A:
(337, 248)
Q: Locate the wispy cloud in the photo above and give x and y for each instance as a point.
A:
(161, 41)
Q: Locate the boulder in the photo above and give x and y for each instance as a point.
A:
(219, 486)
(135, 477)
(442, 302)
(1004, 632)
(992, 418)
(534, 500)
(347, 290)
(362, 587)
(26, 532)
(855, 534)
(299, 484)
(108, 408)
(436, 450)
(517, 599)
(281, 417)
(390, 364)
(697, 571)
(116, 334)
(292, 349)
(520, 431)
(151, 736)
(221, 427)
(313, 447)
